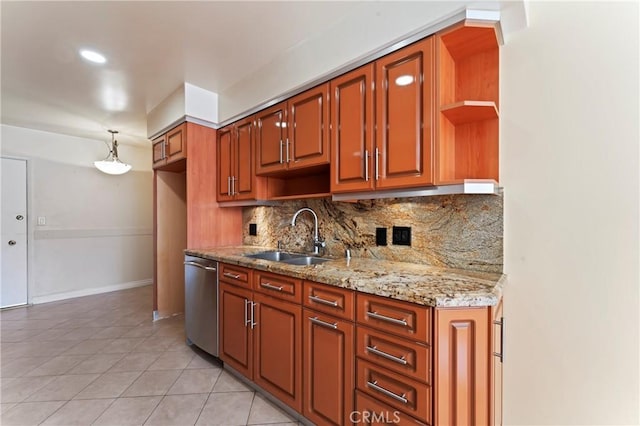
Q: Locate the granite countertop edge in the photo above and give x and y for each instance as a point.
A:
(421, 284)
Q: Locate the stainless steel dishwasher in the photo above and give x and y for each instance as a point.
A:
(201, 303)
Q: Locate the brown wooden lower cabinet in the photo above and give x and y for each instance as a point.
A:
(370, 411)
(278, 349)
(236, 338)
(328, 369)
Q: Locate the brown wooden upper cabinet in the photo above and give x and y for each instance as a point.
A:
(170, 147)
(399, 153)
(294, 134)
(236, 175)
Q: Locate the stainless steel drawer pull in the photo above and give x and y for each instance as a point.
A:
(253, 315)
(271, 286)
(383, 354)
(366, 165)
(246, 317)
(315, 320)
(281, 152)
(197, 265)
(230, 275)
(323, 301)
(374, 385)
(500, 354)
(386, 318)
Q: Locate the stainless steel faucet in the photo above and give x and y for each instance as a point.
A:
(317, 242)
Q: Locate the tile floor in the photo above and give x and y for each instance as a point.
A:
(100, 360)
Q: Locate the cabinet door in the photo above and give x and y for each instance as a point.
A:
(244, 184)
(328, 369)
(278, 349)
(225, 161)
(461, 360)
(308, 128)
(352, 131)
(404, 137)
(370, 411)
(497, 334)
(271, 135)
(176, 143)
(236, 344)
(159, 158)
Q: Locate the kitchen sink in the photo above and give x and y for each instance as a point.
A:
(276, 256)
(288, 258)
(305, 260)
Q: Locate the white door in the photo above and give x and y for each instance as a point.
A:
(14, 233)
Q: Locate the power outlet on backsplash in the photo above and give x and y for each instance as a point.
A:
(253, 229)
(381, 236)
(401, 235)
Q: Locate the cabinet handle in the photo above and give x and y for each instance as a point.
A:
(288, 159)
(377, 165)
(229, 186)
(198, 265)
(366, 165)
(230, 275)
(246, 317)
(374, 385)
(323, 301)
(374, 350)
(319, 322)
(386, 318)
(233, 185)
(253, 322)
(501, 353)
(281, 151)
(271, 286)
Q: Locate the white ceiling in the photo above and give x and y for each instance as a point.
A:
(151, 49)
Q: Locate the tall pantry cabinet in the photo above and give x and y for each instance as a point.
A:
(185, 211)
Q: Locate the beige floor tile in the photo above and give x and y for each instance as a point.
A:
(152, 383)
(98, 363)
(203, 361)
(135, 362)
(21, 366)
(90, 346)
(57, 366)
(155, 344)
(121, 345)
(17, 390)
(128, 411)
(178, 410)
(263, 411)
(81, 333)
(30, 413)
(4, 407)
(63, 387)
(53, 334)
(141, 331)
(228, 383)
(79, 412)
(231, 408)
(195, 381)
(109, 385)
(111, 332)
(172, 361)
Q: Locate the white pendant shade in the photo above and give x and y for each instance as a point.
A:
(112, 166)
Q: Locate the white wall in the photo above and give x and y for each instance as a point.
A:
(569, 159)
(98, 234)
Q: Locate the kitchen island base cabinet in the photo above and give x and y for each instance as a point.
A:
(328, 369)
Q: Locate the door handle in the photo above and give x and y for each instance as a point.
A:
(198, 265)
(12, 242)
(19, 217)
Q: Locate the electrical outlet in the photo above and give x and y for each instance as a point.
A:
(42, 220)
(381, 236)
(402, 235)
(253, 229)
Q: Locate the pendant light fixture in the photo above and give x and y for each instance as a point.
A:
(112, 164)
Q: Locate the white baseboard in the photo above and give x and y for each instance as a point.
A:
(89, 291)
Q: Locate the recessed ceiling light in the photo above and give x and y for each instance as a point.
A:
(404, 80)
(92, 56)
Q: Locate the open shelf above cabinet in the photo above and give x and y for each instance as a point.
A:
(469, 111)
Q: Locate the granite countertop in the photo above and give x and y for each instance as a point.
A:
(411, 282)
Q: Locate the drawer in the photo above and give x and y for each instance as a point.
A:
(277, 285)
(396, 390)
(235, 275)
(370, 411)
(402, 356)
(329, 300)
(393, 316)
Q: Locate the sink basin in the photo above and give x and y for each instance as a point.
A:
(276, 256)
(304, 260)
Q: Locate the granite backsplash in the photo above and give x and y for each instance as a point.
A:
(454, 231)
